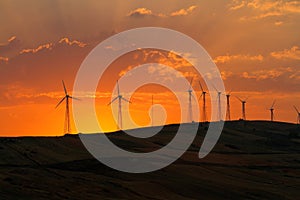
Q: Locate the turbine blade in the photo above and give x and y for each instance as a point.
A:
(113, 100)
(75, 98)
(64, 87)
(193, 97)
(118, 87)
(191, 80)
(239, 98)
(201, 86)
(296, 109)
(246, 99)
(126, 100)
(200, 97)
(191, 83)
(273, 104)
(215, 87)
(60, 102)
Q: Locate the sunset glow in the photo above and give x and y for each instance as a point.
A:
(255, 44)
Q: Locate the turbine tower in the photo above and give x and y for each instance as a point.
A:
(203, 95)
(67, 97)
(228, 116)
(298, 115)
(243, 107)
(219, 104)
(119, 98)
(190, 108)
(272, 111)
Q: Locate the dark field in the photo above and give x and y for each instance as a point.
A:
(252, 160)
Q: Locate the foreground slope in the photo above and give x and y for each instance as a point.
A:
(252, 160)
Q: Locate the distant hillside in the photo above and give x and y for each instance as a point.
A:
(252, 160)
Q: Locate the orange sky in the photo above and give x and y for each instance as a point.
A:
(254, 43)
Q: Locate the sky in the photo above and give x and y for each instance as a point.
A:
(254, 43)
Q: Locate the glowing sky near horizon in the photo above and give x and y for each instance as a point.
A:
(254, 43)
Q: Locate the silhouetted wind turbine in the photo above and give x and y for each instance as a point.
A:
(203, 94)
(272, 111)
(190, 91)
(120, 98)
(219, 103)
(228, 116)
(298, 115)
(243, 107)
(67, 128)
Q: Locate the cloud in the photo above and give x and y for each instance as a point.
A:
(268, 74)
(226, 74)
(183, 12)
(49, 46)
(171, 59)
(74, 42)
(236, 5)
(229, 58)
(176, 60)
(262, 16)
(3, 59)
(12, 39)
(39, 48)
(266, 8)
(11, 47)
(142, 12)
(30, 66)
(164, 72)
(278, 23)
(293, 53)
(295, 76)
(123, 72)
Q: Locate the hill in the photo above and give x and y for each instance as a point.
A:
(252, 160)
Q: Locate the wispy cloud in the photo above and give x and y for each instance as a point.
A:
(265, 8)
(39, 48)
(183, 12)
(73, 42)
(10, 48)
(142, 12)
(124, 71)
(3, 59)
(226, 74)
(229, 58)
(49, 46)
(293, 53)
(268, 74)
(12, 39)
(278, 23)
(236, 5)
(171, 59)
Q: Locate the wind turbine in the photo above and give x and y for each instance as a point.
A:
(228, 117)
(203, 94)
(298, 117)
(119, 98)
(190, 109)
(272, 111)
(243, 107)
(67, 97)
(219, 103)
